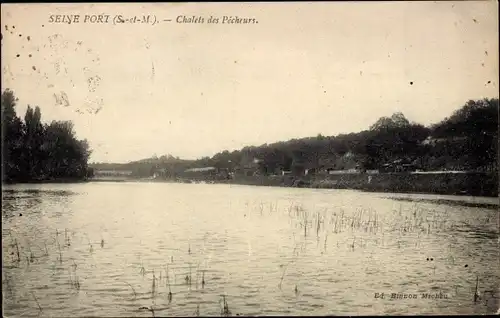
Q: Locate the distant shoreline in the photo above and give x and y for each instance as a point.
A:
(470, 184)
(45, 181)
(485, 185)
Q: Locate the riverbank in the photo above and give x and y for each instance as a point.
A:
(473, 184)
(469, 184)
(61, 180)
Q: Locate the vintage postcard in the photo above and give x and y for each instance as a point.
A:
(250, 159)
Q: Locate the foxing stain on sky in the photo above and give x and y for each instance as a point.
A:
(192, 90)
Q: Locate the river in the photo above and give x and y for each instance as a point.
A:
(158, 249)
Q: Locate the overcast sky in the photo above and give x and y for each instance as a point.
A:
(192, 90)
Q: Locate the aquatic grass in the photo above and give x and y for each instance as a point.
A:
(476, 291)
(31, 255)
(91, 248)
(149, 309)
(60, 252)
(74, 282)
(187, 279)
(46, 250)
(283, 274)
(17, 251)
(318, 224)
(36, 300)
(326, 238)
(142, 269)
(153, 287)
(167, 278)
(197, 274)
(225, 312)
(133, 289)
(66, 238)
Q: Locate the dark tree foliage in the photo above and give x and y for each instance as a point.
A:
(469, 137)
(32, 151)
(468, 140)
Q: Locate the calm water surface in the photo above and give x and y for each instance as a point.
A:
(118, 249)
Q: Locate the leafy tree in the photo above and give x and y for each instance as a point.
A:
(34, 151)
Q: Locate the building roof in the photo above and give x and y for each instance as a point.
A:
(200, 169)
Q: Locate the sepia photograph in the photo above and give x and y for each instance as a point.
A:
(250, 159)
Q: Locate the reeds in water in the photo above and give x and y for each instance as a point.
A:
(17, 251)
(60, 252)
(476, 291)
(37, 303)
(133, 290)
(153, 287)
(74, 282)
(225, 312)
(167, 278)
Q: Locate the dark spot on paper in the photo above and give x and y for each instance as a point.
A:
(18, 55)
(486, 52)
(489, 82)
(29, 55)
(466, 265)
(13, 26)
(20, 35)
(411, 83)
(324, 92)
(20, 214)
(62, 99)
(6, 27)
(28, 37)
(235, 62)
(475, 21)
(34, 68)
(93, 83)
(361, 73)
(43, 25)
(482, 64)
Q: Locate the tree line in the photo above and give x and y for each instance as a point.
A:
(467, 140)
(33, 151)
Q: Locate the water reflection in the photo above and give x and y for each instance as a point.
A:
(173, 249)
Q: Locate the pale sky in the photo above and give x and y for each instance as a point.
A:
(193, 90)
